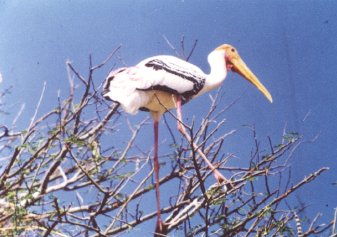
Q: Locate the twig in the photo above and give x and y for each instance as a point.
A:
(107, 59)
(38, 105)
(192, 50)
(171, 46)
(22, 107)
(78, 75)
(127, 202)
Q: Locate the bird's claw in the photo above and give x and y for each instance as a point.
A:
(227, 184)
(161, 229)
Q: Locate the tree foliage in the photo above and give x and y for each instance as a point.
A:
(69, 174)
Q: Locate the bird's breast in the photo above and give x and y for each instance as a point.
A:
(160, 101)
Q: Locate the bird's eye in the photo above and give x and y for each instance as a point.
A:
(233, 50)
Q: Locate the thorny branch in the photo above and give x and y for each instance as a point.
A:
(70, 173)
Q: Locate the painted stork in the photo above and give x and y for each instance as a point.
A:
(158, 84)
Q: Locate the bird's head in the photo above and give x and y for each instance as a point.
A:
(236, 64)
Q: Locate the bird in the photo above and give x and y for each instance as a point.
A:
(160, 83)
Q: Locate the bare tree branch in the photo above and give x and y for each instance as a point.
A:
(70, 173)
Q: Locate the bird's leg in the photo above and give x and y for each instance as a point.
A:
(156, 168)
(159, 225)
(218, 176)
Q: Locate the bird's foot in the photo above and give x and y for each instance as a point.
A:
(228, 186)
(226, 183)
(161, 229)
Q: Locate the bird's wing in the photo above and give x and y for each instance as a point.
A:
(170, 74)
(129, 86)
(121, 87)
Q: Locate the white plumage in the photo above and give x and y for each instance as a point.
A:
(136, 87)
(151, 83)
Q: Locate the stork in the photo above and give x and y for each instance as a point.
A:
(158, 84)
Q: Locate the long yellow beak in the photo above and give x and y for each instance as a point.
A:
(240, 67)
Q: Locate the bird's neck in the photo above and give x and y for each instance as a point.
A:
(218, 73)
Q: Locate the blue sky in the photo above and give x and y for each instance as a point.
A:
(290, 45)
